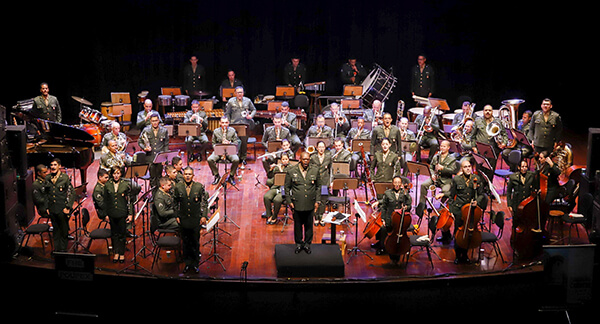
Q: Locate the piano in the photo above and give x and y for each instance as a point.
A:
(47, 140)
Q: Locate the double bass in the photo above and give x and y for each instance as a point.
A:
(397, 242)
(468, 235)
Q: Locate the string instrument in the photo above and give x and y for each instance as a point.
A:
(468, 235)
(397, 241)
(529, 233)
(375, 223)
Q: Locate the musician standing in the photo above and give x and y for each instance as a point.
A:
(46, 106)
(303, 195)
(294, 73)
(394, 198)
(39, 193)
(61, 197)
(193, 78)
(546, 128)
(547, 167)
(118, 199)
(191, 201)
(498, 143)
(224, 135)
(422, 82)
(196, 116)
(241, 110)
(143, 117)
(385, 164)
(98, 194)
(466, 188)
(410, 149)
(353, 72)
(154, 139)
(321, 159)
(389, 131)
(230, 82)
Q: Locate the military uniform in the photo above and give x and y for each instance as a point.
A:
(273, 198)
(444, 179)
(393, 134)
(163, 211)
(158, 140)
(544, 134)
(323, 165)
(202, 139)
(303, 189)
(384, 168)
(40, 196)
(233, 111)
(293, 76)
(191, 201)
(60, 195)
(422, 82)
(347, 73)
(98, 198)
(342, 129)
(50, 111)
(217, 138)
(292, 124)
(119, 205)
(273, 133)
(429, 139)
(390, 201)
(518, 188)
(142, 122)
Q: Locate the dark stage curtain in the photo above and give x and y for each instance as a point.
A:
(488, 51)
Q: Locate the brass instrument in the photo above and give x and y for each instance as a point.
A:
(456, 134)
(508, 113)
(493, 129)
(311, 149)
(196, 118)
(426, 126)
(399, 112)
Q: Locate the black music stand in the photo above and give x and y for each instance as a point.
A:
(213, 224)
(312, 141)
(144, 209)
(165, 157)
(487, 151)
(418, 168)
(279, 180)
(213, 203)
(80, 193)
(365, 144)
(220, 150)
(359, 214)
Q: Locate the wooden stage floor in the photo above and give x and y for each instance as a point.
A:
(253, 243)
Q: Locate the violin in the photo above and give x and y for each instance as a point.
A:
(397, 241)
(468, 235)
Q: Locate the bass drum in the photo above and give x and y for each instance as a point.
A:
(93, 130)
(377, 86)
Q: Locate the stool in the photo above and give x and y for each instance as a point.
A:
(37, 229)
(555, 217)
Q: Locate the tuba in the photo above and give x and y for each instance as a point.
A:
(508, 113)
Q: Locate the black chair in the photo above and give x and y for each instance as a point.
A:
(102, 232)
(422, 242)
(37, 229)
(493, 238)
(584, 209)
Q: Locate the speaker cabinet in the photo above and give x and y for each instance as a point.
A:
(593, 152)
(16, 138)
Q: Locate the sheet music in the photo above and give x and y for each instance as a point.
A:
(360, 211)
(213, 220)
(339, 217)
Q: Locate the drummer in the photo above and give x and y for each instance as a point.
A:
(143, 117)
(116, 135)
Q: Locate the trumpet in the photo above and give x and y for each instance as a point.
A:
(399, 112)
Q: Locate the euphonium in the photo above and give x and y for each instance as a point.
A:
(493, 129)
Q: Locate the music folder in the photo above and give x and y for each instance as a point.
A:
(189, 129)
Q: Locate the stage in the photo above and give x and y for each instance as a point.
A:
(247, 275)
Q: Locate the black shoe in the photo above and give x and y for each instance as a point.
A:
(264, 215)
(216, 180)
(298, 248)
(307, 249)
(380, 252)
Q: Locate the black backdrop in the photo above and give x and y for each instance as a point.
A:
(489, 51)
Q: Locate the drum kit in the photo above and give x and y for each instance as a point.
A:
(92, 120)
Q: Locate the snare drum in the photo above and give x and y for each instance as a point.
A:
(164, 100)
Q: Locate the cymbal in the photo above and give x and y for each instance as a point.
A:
(82, 101)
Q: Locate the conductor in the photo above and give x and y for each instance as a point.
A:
(303, 195)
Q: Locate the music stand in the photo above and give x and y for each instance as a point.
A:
(279, 180)
(486, 150)
(312, 141)
(353, 90)
(351, 103)
(189, 129)
(359, 214)
(343, 184)
(227, 92)
(418, 168)
(213, 224)
(80, 192)
(144, 209)
(165, 157)
(381, 187)
(284, 92)
(220, 150)
(441, 104)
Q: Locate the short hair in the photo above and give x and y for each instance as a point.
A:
(176, 159)
(40, 167)
(114, 169)
(102, 172)
(57, 160)
(169, 168)
(188, 168)
(164, 180)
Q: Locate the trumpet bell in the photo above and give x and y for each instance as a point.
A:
(311, 149)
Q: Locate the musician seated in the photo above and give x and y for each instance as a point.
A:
(466, 112)
(410, 149)
(277, 132)
(197, 116)
(288, 120)
(519, 187)
(342, 123)
(392, 199)
(320, 129)
(374, 114)
(241, 110)
(177, 164)
(271, 159)
(163, 210)
(443, 166)
(143, 117)
(273, 199)
(429, 134)
(112, 157)
(340, 154)
(358, 132)
(224, 134)
(114, 134)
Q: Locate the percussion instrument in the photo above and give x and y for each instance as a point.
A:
(90, 115)
(182, 100)
(377, 85)
(93, 130)
(414, 112)
(164, 100)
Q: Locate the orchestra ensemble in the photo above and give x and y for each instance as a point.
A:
(424, 163)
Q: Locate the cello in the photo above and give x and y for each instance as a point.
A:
(468, 235)
(397, 242)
